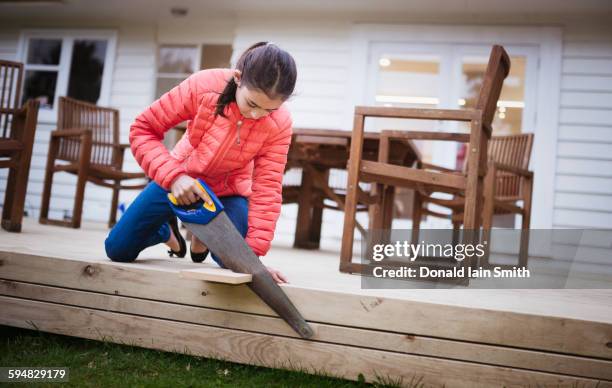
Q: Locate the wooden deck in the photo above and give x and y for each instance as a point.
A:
(59, 280)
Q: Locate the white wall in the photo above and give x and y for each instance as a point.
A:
(322, 55)
(584, 155)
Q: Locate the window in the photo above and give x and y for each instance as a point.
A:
(177, 62)
(174, 64)
(77, 64)
(441, 75)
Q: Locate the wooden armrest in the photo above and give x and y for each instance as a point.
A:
(512, 169)
(416, 113)
(425, 135)
(69, 132)
(123, 146)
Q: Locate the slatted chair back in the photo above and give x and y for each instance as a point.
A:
(514, 151)
(11, 77)
(103, 123)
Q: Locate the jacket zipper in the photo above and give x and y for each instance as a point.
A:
(223, 149)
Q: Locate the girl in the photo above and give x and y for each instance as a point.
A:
(237, 139)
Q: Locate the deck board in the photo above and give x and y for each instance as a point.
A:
(560, 333)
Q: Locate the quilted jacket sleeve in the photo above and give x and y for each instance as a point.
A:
(266, 197)
(147, 131)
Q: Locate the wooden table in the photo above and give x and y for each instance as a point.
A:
(316, 151)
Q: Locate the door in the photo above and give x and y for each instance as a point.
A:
(449, 76)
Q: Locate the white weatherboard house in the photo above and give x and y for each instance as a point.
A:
(400, 53)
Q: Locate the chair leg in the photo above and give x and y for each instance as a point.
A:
(112, 220)
(46, 194)
(526, 223)
(487, 214)
(387, 212)
(375, 218)
(17, 182)
(350, 204)
(456, 232)
(417, 214)
(14, 199)
(472, 211)
(79, 197)
(314, 237)
(84, 160)
(304, 221)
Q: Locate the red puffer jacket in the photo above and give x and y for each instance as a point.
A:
(233, 155)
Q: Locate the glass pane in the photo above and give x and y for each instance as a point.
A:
(86, 70)
(509, 115)
(511, 103)
(177, 59)
(44, 51)
(410, 81)
(40, 85)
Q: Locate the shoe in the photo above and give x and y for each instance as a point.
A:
(173, 223)
(198, 257)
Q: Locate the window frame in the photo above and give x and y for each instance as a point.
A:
(67, 38)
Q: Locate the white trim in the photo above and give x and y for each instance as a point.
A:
(548, 41)
(68, 36)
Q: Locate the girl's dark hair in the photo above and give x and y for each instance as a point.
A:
(266, 67)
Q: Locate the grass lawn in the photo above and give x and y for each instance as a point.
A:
(104, 364)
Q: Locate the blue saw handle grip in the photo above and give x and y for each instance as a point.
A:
(198, 212)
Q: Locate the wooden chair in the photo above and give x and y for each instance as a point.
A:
(508, 181)
(87, 138)
(385, 174)
(17, 128)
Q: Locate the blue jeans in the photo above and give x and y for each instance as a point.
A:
(145, 223)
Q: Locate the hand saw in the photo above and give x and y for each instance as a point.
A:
(212, 226)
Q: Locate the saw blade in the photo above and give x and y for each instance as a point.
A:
(221, 237)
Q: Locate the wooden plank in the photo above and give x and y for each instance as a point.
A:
(146, 279)
(458, 350)
(326, 140)
(426, 135)
(380, 171)
(219, 275)
(266, 350)
(416, 113)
